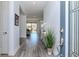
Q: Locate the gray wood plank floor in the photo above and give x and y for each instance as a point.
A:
(32, 47)
(31, 50)
(36, 50)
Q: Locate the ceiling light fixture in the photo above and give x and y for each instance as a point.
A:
(34, 3)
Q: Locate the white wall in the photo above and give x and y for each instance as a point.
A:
(16, 28)
(39, 29)
(16, 7)
(13, 30)
(52, 18)
(23, 19)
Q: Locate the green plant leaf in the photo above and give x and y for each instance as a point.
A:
(49, 39)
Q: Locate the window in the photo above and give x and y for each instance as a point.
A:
(32, 26)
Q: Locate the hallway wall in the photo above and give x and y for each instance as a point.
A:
(16, 28)
(23, 19)
(13, 29)
(52, 20)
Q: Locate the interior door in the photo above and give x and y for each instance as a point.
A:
(3, 28)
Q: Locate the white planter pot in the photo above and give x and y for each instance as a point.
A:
(49, 51)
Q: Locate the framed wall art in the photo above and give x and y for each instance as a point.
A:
(16, 20)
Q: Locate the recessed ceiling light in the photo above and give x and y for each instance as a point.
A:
(34, 3)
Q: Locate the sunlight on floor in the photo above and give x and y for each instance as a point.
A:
(34, 38)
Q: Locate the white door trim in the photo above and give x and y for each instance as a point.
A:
(66, 27)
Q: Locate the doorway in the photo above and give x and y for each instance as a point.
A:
(31, 27)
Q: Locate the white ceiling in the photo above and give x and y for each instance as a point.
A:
(33, 8)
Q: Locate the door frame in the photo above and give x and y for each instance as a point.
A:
(65, 12)
(62, 25)
(66, 28)
(69, 29)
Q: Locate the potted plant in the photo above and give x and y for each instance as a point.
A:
(49, 39)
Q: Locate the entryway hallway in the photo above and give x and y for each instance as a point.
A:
(40, 16)
(34, 47)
